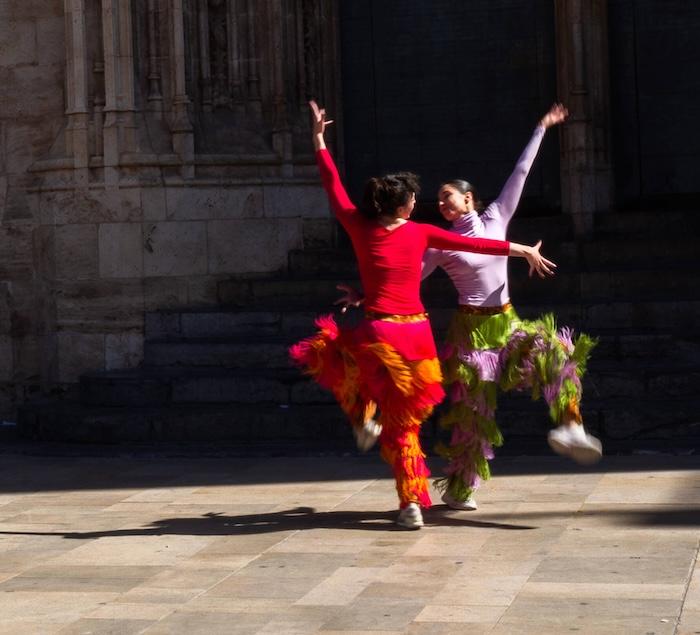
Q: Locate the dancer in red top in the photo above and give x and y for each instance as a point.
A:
(389, 361)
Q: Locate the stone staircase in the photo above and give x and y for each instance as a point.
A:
(221, 375)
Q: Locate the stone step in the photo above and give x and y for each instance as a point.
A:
(621, 365)
(595, 254)
(565, 286)
(324, 426)
(168, 386)
(223, 353)
(223, 323)
(239, 424)
(638, 222)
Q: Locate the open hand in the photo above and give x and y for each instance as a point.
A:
(538, 263)
(319, 121)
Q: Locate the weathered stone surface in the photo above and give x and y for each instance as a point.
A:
(78, 353)
(154, 203)
(16, 249)
(305, 201)
(100, 306)
(175, 249)
(6, 358)
(107, 205)
(50, 33)
(165, 293)
(123, 350)
(204, 203)
(121, 250)
(76, 252)
(251, 246)
(228, 389)
(18, 43)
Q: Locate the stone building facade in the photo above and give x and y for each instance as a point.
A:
(151, 149)
(148, 148)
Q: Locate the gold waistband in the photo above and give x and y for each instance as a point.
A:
(401, 319)
(484, 310)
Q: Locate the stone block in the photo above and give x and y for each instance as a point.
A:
(123, 350)
(204, 203)
(50, 32)
(79, 353)
(238, 389)
(216, 324)
(18, 43)
(28, 355)
(252, 246)
(100, 306)
(175, 249)
(304, 392)
(287, 201)
(318, 232)
(202, 290)
(162, 325)
(164, 293)
(76, 252)
(32, 90)
(6, 358)
(153, 203)
(16, 247)
(91, 206)
(121, 250)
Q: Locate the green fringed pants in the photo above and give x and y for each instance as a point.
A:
(487, 353)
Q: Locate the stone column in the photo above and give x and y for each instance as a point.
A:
(77, 111)
(120, 96)
(583, 86)
(181, 126)
(281, 132)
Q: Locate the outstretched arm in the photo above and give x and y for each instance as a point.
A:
(442, 239)
(339, 199)
(507, 202)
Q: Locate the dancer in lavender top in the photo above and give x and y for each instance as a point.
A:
(489, 348)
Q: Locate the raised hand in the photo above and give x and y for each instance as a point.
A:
(538, 263)
(319, 121)
(556, 115)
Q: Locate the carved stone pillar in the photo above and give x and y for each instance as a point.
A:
(181, 127)
(155, 93)
(78, 112)
(281, 134)
(583, 86)
(120, 98)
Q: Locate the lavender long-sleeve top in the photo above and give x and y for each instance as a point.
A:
(482, 280)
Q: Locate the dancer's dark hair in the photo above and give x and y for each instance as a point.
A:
(385, 194)
(463, 187)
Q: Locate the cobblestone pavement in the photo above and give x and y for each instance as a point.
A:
(158, 544)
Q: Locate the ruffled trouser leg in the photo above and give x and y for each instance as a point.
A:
(486, 354)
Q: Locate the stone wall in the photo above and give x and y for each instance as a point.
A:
(148, 150)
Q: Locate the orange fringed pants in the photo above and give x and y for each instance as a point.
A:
(387, 364)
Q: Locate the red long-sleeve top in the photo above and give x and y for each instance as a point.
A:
(390, 260)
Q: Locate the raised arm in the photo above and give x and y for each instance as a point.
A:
(339, 199)
(507, 202)
(442, 239)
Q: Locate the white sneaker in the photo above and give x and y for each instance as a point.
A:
(367, 435)
(410, 517)
(574, 442)
(468, 505)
